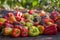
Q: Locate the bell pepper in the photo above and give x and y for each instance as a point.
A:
(2, 20)
(18, 15)
(24, 32)
(54, 15)
(30, 12)
(1, 24)
(51, 30)
(8, 25)
(47, 20)
(41, 29)
(33, 31)
(11, 17)
(15, 32)
(58, 25)
(7, 31)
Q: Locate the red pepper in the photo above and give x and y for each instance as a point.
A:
(18, 26)
(30, 12)
(10, 14)
(54, 15)
(8, 25)
(7, 21)
(18, 15)
(58, 25)
(15, 32)
(24, 32)
(18, 19)
(50, 30)
(11, 17)
(48, 20)
(1, 24)
(5, 17)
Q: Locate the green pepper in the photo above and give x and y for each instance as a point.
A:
(33, 31)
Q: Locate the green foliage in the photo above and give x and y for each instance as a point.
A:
(46, 5)
(2, 2)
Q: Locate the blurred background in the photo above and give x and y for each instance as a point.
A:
(47, 5)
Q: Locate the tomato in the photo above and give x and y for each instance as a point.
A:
(15, 32)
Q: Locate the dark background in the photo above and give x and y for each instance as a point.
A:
(40, 37)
